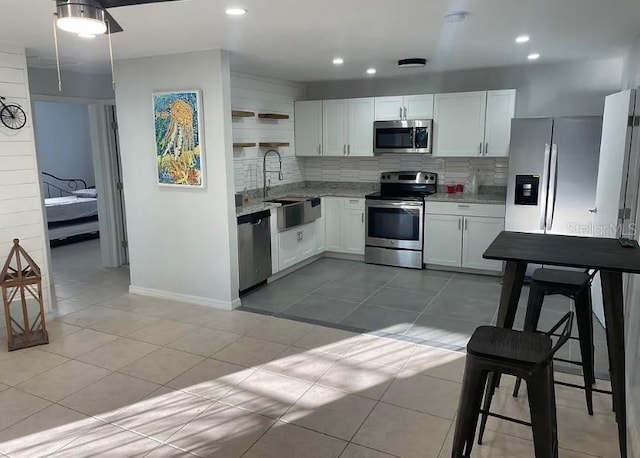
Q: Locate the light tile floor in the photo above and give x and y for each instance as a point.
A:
(185, 381)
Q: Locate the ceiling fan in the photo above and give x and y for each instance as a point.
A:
(90, 17)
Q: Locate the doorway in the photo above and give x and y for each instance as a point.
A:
(81, 179)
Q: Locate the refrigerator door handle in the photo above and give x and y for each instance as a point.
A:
(543, 186)
(553, 184)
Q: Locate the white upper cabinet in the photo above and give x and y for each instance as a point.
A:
(348, 127)
(404, 107)
(459, 121)
(418, 106)
(360, 127)
(501, 107)
(308, 128)
(389, 108)
(335, 127)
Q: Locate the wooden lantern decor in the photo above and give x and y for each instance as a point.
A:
(21, 284)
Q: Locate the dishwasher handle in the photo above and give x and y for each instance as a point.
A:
(254, 218)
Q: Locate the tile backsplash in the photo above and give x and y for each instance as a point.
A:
(491, 171)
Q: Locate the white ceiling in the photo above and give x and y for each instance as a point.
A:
(297, 39)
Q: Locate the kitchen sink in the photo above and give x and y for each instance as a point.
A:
(296, 211)
(286, 201)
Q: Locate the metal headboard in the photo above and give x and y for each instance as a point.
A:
(60, 187)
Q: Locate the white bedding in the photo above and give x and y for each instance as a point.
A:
(61, 209)
(63, 232)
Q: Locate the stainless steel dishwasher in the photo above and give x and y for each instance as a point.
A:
(254, 249)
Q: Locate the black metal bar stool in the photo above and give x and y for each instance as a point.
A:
(575, 285)
(528, 355)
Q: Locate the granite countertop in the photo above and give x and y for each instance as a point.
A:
(467, 198)
(256, 205)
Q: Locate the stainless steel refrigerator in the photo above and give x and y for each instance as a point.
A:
(553, 172)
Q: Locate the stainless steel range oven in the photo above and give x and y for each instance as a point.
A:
(394, 222)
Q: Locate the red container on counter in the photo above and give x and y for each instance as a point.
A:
(459, 188)
(451, 188)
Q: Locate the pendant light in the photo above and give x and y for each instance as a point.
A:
(84, 18)
(81, 18)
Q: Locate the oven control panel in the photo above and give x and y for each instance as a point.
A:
(409, 177)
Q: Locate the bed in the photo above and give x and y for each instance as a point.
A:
(71, 208)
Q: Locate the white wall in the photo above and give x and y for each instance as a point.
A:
(44, 83)
(631, 70)
(21, 214)
(182, 242)
(565, 89)
(264, 96)
(63, 139)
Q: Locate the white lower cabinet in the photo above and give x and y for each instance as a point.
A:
(332, 209)
(344, 225)
(443, 240)
(296, 245)
(457, 235)
(478, 234)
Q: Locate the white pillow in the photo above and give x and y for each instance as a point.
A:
(86, 193)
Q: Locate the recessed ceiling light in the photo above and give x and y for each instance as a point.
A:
(338, 61)
(456, 16)
(523, 39)
(235, 11)
(371, 71)
(533, 56)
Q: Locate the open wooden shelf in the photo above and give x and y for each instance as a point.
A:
(273, 144)
(242, 114)
(244, 145)
(273, 116)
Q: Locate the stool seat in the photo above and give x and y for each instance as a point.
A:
(509, 345)
(565, 277)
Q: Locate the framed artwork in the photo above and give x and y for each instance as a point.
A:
(178, 130)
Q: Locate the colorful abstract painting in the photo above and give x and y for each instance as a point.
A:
(179, 151)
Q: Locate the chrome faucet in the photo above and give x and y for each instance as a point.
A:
(264, 171)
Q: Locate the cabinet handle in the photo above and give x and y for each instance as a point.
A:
(459, 223)
(405, 113)
(344, 149)
(401, 113)
(349, 149)
(362, 217)
(465, 223)
(319, 149)
(486, 148)
(480, 153)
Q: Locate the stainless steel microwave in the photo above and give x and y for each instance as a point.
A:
(411, 136)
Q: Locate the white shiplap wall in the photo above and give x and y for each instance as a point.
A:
(21, 214)
(262, 96)
(491, 171)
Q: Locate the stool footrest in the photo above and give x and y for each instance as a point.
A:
(598, 390)
(503, 417)
(570, 385)
(570, 338)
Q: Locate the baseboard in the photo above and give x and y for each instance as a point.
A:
(345, 256)
(187, 298)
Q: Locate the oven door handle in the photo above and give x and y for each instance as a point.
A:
(392, 204)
